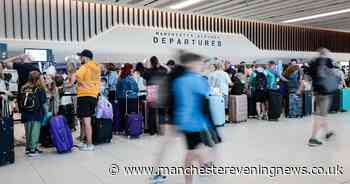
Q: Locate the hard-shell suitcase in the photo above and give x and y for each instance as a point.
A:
(156, 116)
(61, 134)
(145, 114)
(238, 108)
(307, 103)
(134, 121)
(68, 112)
(7, 153)
(295, 106)
(345, 99)
(116, 118)
(275, 105)
(134, 125)
(217, 109)
(45, 137)
(102, 131)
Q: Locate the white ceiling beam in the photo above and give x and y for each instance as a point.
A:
(206, 4)
(315, 11)
(285, 8)
(238, 6)
(242, 9)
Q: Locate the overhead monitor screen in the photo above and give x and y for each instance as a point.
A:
(37, 54)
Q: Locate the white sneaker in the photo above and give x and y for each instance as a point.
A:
(33, 154)
(86, 147)
(81, 145)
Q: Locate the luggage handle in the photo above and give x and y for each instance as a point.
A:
(126, 102)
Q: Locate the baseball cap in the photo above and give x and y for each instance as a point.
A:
(86, 53)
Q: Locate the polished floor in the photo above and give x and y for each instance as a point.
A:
(255, 142)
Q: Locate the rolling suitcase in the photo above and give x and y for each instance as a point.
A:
(275, 105)
(295, 106)
(345, 99)
(238, 108)
(145, 114)
(7, 153)
(217, 110)
(307, 103)
(45, 137)
(68, 112)
(134, 121)
(116, 118)
(155, 117)
(102, 131)
(61, 134)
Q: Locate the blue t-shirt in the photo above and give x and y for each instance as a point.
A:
(271, 77)
(190, 91)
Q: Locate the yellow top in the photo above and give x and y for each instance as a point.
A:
(89, 79)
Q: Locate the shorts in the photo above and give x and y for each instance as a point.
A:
(86, 106)
(322, 104)
(260, 96)
(193, 139)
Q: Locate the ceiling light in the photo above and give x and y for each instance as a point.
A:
(184, 4)
(317, 16)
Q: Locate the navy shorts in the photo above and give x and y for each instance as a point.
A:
(86, 106)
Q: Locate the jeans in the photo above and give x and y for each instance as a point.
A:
(32, 129)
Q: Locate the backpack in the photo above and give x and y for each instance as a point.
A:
(325, 78)
(238, 86)
(30, 102)
(328, 80)
(260, 83)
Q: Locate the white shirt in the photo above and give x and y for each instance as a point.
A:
(141, 83)
(220, 79)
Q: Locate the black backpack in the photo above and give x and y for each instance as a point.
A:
(260, 82)
(30, 100)
(238, 86)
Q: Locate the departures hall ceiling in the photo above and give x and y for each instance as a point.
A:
(275, 11)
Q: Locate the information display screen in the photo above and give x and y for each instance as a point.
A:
(37, 54)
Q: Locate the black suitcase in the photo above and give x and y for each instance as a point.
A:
(102, 131)
(144, 108)
(68, 112)
(156, 116)
(275, 105)
(252, 108)
(307, 103)
(7, 153)
(45, 137)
